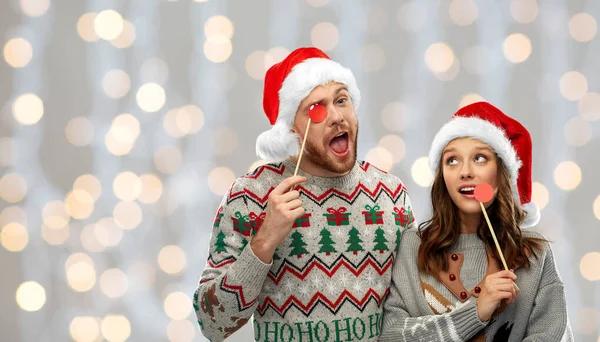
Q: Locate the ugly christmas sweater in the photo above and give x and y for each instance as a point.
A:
(443, 308)
(328, 278)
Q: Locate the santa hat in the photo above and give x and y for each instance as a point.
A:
(289, 82)
(506, 136)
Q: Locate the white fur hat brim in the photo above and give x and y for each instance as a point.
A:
(277, 144)
(481, 130)
(533, 215)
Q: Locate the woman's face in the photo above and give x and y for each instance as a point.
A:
(466, 163)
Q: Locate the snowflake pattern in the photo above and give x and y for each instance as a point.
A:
(389, 179)
(358, 286)
(239, 185)
(312, 234)
(259, 186)
(368, 234)
(233, 240)
(344, 279)
(390, 230)
(368, 181)
(314, 188)
(269, 179)
(370, 278)
(331, 287)
(316, 280)
(290, 285)
(304, 290)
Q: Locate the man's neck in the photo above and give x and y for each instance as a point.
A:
(314, 170)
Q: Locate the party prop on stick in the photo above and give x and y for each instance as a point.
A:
(317, 113)
(484, 193)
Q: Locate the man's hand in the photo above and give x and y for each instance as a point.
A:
(283, 208)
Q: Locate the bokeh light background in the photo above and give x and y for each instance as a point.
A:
(122, 124)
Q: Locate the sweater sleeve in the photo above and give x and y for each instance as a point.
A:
(233, 276)
(408, 220)
(549, 320)
(398, 325)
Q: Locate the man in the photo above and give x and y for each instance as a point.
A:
(309, 256)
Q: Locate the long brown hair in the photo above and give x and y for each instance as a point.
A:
(443, 229)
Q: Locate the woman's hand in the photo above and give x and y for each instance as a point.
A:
(496, 287)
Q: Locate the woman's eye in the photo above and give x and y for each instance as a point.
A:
(480, 159)
(452, 161)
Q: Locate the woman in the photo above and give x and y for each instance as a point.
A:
(448, 282)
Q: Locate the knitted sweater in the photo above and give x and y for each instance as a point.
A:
(422, 308)
(330, 274)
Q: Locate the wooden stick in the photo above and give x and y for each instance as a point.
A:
(302, 148)
(493, 235)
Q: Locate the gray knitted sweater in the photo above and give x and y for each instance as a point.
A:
(422, 308)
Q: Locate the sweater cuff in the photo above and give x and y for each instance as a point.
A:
(250, 272)
(466, 320)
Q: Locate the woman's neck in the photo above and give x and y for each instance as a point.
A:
(469, 223)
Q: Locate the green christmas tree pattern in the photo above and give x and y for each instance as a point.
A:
(398, 237)
(276, 255)
(326, 242)
(298, 245)
(244, 243)
(220, 243)
(380, 241)
(354, 241)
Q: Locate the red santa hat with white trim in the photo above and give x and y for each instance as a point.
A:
(506, 136)
(289, 82)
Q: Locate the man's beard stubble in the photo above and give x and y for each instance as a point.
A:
(318, 156)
